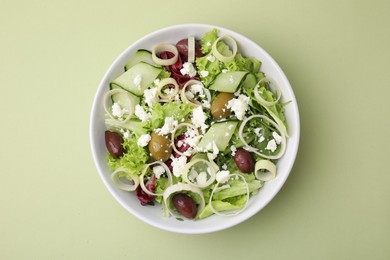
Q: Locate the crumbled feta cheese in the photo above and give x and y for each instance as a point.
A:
(208, 43)
(222, 176)
(169, 125)
(178, 165)
(197, 88)
(158, 170)
(191, 138)
(118, 111)
(141, 113)
(156, 82)
(233, 149)
(224, 71)
(188, 68)
(230, 127)
(144, 140)
(204, 73)
(179, 143)
(257, 131)
(150, 96)
(137, 81)
(239, 106)
(126, 134)
(206, 104)
(224, 166)
(226, 134)
(211, 156)
(261, 139)
(211, 58)
(192, 175)
(271, 145)
(277, 137)
(201, 178)
(199, 118)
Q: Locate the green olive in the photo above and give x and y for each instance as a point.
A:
(219, 105)
(160, 147)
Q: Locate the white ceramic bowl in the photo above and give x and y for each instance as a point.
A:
(153, 215)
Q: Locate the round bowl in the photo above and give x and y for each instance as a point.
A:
(153, 215)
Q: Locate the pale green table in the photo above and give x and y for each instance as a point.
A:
(336, 202)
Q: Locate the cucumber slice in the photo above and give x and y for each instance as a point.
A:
(220, 133)
(140, 55)
(123, 99)
(250, 81)
(228, 82)
(145, 72)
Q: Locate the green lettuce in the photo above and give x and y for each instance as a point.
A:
(171, 109)
(133, 160)
(208, 40)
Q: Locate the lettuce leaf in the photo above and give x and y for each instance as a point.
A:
(208, 40)
(133, 160)
(160, 111)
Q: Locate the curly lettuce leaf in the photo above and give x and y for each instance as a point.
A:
(171, 109)
(208, 40)
(133, 160)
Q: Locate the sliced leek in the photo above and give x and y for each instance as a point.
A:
(165, 48)
(182, 187)
(166, 97)
(107, 104)
(133, 180)
(255, 150)
(265, 170)
(191, 49)
(210, 171)
(230, 42)
(145, 170)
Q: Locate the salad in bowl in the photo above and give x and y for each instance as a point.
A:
(193, 127)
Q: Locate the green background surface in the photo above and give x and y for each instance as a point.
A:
(334, 205)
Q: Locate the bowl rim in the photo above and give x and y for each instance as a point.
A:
(223, 225)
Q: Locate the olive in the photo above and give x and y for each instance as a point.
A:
(114, 143)
(160, 147)
(185, 205)
(244, 160)
(182, 47)
(219, 105)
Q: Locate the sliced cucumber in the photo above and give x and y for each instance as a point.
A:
(125, 100)
(146, 73)
(250, 81)
(220, 133)
(228, 82)
(140, 55)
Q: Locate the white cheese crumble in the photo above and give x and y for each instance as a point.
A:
(277, 137)
(211, 58)
(199, 118)
(224, 166)
(239, 106)
(141, 113)
(201, 178)
(222, 176)
(169, 125)
(126, 134)
(150, 96)
(233, 149)
(271, 145)
(137, 81)
(204, 73)
(178, 165)
(143, 140)
(224, 71)
(118, 111)
(158, 170)
(188, 68)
